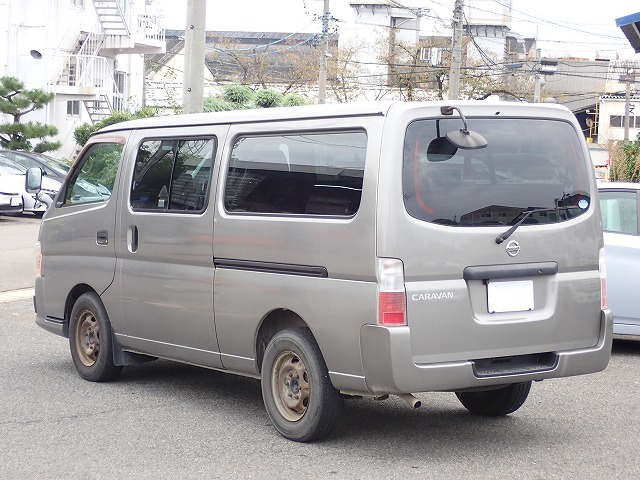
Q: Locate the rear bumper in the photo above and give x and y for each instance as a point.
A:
(389, 367)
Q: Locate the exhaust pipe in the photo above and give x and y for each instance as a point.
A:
(412, 401)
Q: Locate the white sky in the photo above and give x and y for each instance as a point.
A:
(577, 28)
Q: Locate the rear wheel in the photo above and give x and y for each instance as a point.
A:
(298, 395)
(494, 403)
(90, 340)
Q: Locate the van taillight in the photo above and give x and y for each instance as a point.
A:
(603, 280)
(38, 260)
(391, 294)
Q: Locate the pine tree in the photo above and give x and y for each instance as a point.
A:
(16, 101)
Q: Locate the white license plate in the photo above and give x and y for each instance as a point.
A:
(15, 201)
(510, 296)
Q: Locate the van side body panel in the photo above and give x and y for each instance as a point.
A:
(334, 307)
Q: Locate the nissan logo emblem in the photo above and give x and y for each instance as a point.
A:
(512, 248)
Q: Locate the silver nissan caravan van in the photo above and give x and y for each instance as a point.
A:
(335, 251)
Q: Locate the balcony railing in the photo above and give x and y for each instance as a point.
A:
(149, 28)
(94, 75)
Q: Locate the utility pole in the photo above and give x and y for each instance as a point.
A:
(536, 78)
(194, 40)
(542, 67)
(456, 51)
(629, 78)
(322, 80)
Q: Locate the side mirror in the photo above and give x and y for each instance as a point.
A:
(33, 180)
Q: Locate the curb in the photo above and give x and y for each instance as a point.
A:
(14, 295)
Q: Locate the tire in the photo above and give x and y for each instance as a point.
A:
(298, 395)
(90, 340)
(495, 403)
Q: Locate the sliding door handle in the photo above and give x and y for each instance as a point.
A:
(132, 238)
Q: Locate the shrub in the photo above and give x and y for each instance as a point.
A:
(268, 98)
(625, 161)
(295, 99)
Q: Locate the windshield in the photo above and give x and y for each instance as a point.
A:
(9, 166)
(55, 164)
(528, 164)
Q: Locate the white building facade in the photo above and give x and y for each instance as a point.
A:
(88, 52)
(612, 106)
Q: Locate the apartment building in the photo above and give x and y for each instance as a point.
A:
(90, 53)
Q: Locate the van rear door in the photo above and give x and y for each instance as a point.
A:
(500, 245)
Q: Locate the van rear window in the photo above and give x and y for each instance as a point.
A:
(528, 164)
(310, 173)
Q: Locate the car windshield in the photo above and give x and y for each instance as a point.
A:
(48, 165)
(529, 165)
(54, 163)
(9, 166)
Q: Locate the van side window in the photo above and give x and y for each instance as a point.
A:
(93, 179)
(172, 175)
(299, 173)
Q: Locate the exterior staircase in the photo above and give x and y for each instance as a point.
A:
(111, 17)
(89, 72)
(99, 108)
(85, 69)
(81, 58)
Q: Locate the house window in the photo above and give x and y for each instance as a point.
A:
(78, 3)
(618, 121)
(431, 55)
(73, 108)
(615, 121)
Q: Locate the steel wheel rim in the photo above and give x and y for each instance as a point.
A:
(87, 338)
(290, 386)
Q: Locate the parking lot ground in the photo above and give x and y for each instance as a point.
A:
(165, 420)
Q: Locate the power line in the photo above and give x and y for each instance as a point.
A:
(550, 22)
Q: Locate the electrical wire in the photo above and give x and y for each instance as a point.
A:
(470, 71)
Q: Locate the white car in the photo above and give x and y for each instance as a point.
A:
(15, 174)
(10, 198)
(620, 221)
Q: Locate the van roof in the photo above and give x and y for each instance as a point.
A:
(334, 110)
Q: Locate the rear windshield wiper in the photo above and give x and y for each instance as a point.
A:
(525, 214)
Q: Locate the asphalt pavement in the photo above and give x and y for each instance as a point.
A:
(165, 420)
(18, 237)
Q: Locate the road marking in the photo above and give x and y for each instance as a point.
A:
(16, 295)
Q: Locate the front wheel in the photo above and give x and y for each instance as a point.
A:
(498, 402)
(90, 340)
(298, 395)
